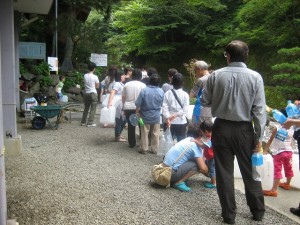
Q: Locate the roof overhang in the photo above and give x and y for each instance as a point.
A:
(33, 6)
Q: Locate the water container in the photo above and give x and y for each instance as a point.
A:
(64, 99)
(257, 165)
(292, 110)
(190, 112)
(278, 116)
(197, 111)
(141, 121)
(257, 159)
(164, 145)
(296, 179)
(107, 115)
(278, 140)
(115, 101)
(237, 171)
(267, 173)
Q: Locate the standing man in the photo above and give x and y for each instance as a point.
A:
(130, 94)
(91, 83)
(237, 98)
(200, 113)
(148, 106)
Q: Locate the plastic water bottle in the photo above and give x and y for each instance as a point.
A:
(292, 110)
(278, 140)
(278, 116)
(257, 165)
(141, 121)
(197, 110)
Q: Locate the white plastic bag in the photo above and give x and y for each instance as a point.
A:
(165, 142)
(28, 102)
(107, 115)
(64, 99)
(116, 100)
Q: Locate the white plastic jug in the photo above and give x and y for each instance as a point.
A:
(107, 115)
(296, 179)
(237, 172)
(267, 173)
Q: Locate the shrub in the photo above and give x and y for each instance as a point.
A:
(73, 79)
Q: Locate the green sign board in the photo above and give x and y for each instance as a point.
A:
(32, 50)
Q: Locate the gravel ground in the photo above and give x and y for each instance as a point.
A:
(78, 175)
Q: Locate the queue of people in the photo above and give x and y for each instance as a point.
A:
(233, 95)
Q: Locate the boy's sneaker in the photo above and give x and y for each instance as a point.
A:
(83, 124)
(209, 185)
(270, 193)
(285, 186)
(91, 125)
(182, 187)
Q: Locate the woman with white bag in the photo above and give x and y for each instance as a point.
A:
(120, 119)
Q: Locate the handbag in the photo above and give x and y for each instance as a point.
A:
(162, 174)
(174, 93)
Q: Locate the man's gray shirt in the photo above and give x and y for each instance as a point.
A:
(236, 93)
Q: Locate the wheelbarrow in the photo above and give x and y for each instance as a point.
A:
(45, 113)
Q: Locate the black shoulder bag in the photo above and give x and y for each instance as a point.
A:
(174, 93)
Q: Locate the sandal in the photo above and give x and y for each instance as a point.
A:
(182, 187)
(120, 139)
(270, 193)
(285, 186)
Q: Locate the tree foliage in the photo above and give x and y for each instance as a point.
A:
(163, 29)
(166, 33)
(288, 72)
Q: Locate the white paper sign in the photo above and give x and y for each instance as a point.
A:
(99, 59)
(53, 62)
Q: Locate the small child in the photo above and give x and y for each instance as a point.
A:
(206, 129)
(59, 87)
(282, 156)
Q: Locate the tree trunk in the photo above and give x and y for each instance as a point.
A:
(67, 63)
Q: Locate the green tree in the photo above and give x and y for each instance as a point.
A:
(267, 26)
(288, 73)
(71, 24)
(163, 30)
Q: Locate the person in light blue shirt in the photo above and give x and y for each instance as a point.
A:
(148, 106)
(186, 160)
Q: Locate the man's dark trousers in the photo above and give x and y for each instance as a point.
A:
(231, 138)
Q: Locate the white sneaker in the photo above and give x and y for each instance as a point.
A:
(83, 124)
(91, 125)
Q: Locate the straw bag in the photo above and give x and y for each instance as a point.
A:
(162, 174)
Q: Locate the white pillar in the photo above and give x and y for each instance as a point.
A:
(8, 68)
(3, 207)
(7, 93)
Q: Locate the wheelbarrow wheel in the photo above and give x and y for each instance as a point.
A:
(38, 123)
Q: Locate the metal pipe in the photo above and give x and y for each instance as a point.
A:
(56, 41)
